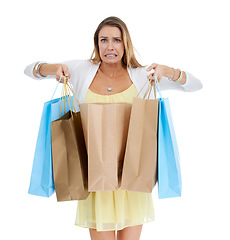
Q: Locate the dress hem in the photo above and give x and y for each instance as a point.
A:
(131, 225)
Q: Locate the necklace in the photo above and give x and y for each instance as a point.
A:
(107, 78)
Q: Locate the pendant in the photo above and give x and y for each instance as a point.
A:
(109, 89)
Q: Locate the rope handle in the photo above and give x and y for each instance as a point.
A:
(149, 88)
(158, 87)
(154, 86)
(66, 97)
(71, 89)
(69, 86)
(57, 87)
(63, 97)
(66, 89)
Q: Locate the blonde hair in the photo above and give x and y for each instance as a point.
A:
(128, 59)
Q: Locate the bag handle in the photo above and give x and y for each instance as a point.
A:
(71, 89)
(57, 87)
(155, 87)
(66, 97)
(149, 88)
(69, 86)
(66, 88)
(158, 87)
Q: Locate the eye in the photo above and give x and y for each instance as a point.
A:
(103, 40)
(117, 40)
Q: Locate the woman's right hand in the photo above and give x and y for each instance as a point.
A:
(62, 70)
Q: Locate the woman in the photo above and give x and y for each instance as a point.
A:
(113, 75)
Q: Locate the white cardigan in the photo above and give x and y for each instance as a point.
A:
(83, 71)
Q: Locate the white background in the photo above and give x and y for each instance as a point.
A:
(191, 35)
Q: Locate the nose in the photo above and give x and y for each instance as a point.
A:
(110, 45)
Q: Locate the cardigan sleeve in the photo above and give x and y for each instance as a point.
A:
(29, 70)
(192, 83)
(71, 66)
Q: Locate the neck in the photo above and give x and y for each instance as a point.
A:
(112, 70)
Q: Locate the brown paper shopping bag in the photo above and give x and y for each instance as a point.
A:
(140, 161)
(70, 168)
(105, 127)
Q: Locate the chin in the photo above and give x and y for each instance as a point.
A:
(111, 61)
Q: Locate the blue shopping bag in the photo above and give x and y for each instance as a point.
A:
(169, 172)
(41, 181)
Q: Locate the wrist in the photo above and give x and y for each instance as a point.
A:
(49, 69)
(171, 73)
(175, 75)
(37, 69)
(41, 70)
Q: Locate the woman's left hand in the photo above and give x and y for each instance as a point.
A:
(159, 71)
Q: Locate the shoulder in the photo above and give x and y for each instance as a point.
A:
(76, 63)
(139, 75)
(138, 72)
(79, 66)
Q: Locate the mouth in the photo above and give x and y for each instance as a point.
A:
(110, 55)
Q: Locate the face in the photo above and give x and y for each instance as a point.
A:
(111, 46)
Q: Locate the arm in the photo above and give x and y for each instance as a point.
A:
(47, 70)
(174, 74)
(168, 77)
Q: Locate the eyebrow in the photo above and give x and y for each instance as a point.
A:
(107, 37)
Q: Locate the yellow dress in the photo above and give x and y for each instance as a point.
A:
(114, 210)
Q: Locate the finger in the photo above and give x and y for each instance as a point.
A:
(159, 77)
(59, 74)
(152, 66)
(65, 72)
(150, 76)
(68, 77)
(58, 78)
